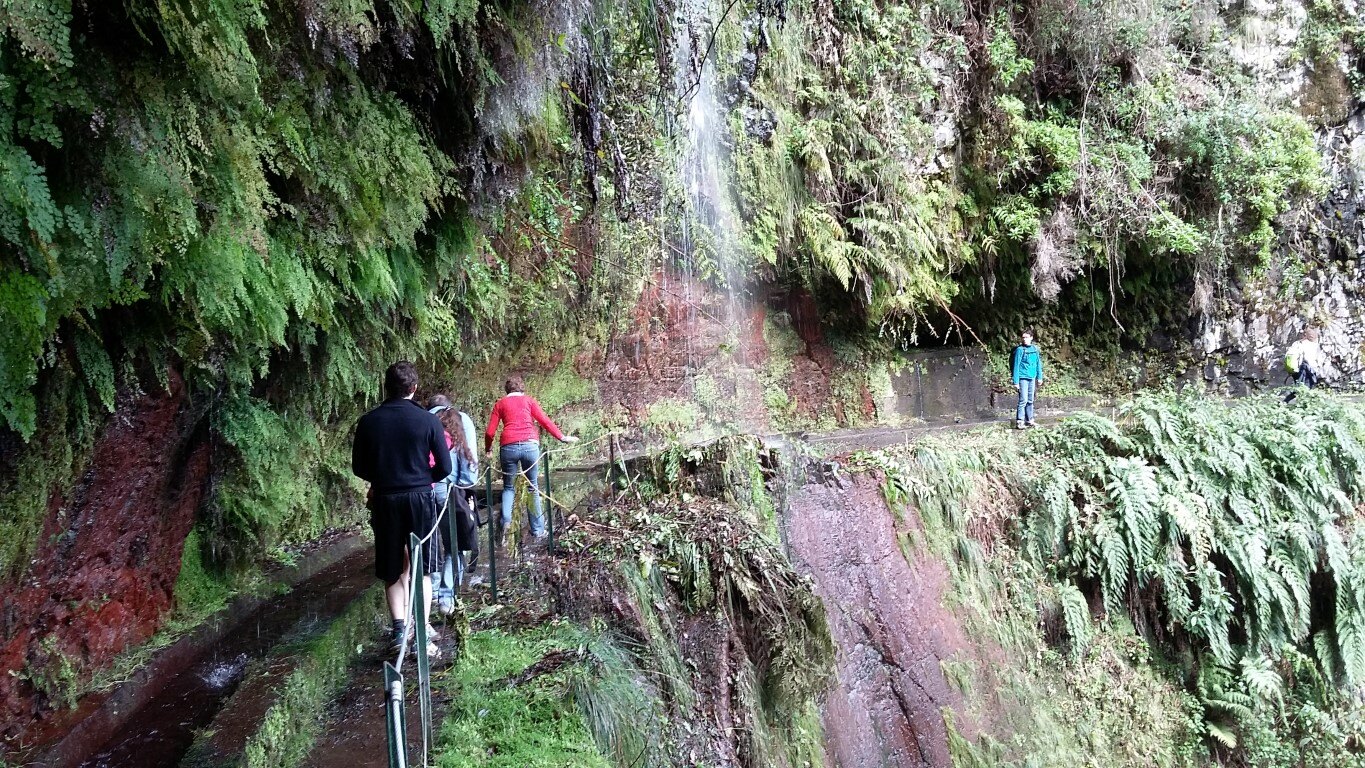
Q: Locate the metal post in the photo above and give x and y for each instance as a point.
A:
(549, 502)
(396, 723)
(419, 617)
(452, 524)
(493, 524)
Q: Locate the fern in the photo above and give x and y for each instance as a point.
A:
(1201, 522)
(1076, 615)
(1261, 679)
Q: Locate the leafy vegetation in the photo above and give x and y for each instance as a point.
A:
(276, 202)
(687, 546)
(276, 199)
(530, 723)
(243, 194)
(1217, 542)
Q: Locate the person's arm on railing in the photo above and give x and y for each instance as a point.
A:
(539, 415)
(494, 418)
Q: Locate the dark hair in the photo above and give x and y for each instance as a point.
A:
(400, 380)
(438, 401)
(514, 384)
(450, 419)
(1026, 332)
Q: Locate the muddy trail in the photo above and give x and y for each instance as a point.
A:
(151, 724)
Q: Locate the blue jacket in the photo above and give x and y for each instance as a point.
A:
(463, 473)
(1027, 364)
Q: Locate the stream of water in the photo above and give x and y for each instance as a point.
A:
(159, 733)
(709, 247)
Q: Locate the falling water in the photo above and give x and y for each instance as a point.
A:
(709, 244)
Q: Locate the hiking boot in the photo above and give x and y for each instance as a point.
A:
(445, 600)
(398, 635)
(1030, 424)
(1018, 425)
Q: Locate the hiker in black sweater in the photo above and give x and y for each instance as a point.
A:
(400, 450)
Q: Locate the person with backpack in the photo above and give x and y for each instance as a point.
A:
(456, 494)
(1026, 371)
(519, 414)
(393, 451)
(1304, 359)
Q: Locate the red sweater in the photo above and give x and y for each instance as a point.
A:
(519, 415)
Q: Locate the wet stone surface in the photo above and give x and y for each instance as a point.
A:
(161, 731)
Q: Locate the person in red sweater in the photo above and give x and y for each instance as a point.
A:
(519, 414)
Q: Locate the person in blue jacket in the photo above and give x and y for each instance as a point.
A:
(455, 495)
(1026, 370)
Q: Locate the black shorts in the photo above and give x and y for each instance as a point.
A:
(394, 516)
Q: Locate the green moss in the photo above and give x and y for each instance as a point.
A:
(673, 420)
(290, 726)
(43, 470)
(56, 675)
(562, 387)
(532, 724)
(200, 589)
(783, 344)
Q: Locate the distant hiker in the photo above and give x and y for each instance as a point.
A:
(519, 413)
(1304, 359)
(456, 494)
(393, 447)
(1026, 370)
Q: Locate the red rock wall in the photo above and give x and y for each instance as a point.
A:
(680, 327)
(891, 630)
(106, 565)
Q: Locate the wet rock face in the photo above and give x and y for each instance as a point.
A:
(1317, 278)
(104, 571)
(891, 630)
(1318, 283)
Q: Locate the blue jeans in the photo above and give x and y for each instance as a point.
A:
(1027, 389)
(1306, 376)
(517, 458)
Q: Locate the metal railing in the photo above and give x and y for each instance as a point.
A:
(394, 711)
(395, 717)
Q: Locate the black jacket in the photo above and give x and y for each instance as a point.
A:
(393, 447)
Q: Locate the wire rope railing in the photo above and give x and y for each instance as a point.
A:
(394, 714)
(395, 711)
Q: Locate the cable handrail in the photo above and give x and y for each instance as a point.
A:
(548, 451)
(393, 678)
(412, 584)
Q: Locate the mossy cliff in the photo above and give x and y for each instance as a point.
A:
(1176, 586)
(222, 218)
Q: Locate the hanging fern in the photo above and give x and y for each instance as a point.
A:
(1226, 533)
(1076, 615)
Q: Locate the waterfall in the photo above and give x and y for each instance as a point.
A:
(708, 247)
